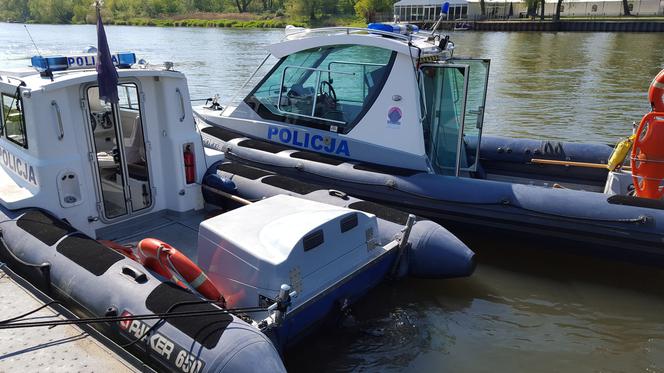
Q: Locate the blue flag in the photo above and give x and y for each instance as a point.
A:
(107, 76)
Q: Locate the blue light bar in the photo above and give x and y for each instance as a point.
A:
(394, 27)
(122, 60)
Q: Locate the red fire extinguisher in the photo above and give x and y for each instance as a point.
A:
(189, 165)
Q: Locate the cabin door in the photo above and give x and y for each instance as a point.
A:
(453, 101)
(119, 153)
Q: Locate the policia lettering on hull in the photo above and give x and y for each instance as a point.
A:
(328, 144)
(18, 166)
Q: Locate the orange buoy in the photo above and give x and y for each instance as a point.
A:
(168, 261)
(648, 156)
(656, 93)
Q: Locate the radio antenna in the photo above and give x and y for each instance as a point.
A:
(31, 39)
(47, 73)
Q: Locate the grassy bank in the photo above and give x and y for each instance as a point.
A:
(270, 23)
(236, 20)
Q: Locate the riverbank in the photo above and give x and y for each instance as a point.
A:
(588, 25)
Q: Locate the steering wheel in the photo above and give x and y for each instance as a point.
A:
(330, 89)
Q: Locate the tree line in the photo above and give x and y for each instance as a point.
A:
(82, 11)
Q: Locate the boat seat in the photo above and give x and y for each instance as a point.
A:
(334, 114)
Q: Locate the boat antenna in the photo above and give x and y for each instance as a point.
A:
(48, 73)
(32, 40)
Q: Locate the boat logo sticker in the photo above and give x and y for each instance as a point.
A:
(165, 349)
(315, 142)
(394, 117)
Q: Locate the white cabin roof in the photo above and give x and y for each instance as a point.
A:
(341, 36)
(34, 81)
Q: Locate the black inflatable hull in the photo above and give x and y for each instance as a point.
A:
(624, 228)
(94, 281)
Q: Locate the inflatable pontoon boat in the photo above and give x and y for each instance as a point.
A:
(397, 119)
(102, 207)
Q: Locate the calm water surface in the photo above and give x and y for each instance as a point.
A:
(521, 311)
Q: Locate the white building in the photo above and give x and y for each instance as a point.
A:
(429, 10)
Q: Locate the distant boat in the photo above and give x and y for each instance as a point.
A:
(462, 25)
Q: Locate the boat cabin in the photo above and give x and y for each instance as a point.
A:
(368, 95)
(92, 163)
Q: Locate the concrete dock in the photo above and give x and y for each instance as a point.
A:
(64, 348)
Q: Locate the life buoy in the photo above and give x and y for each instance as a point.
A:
(656, 93)
(165, 260)
(647, 158)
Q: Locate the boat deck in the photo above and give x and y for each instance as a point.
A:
(179, 230)
(65, 348)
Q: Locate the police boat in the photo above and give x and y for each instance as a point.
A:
(103, 208)
(396, 118)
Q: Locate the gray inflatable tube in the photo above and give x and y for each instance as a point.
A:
(96, 281)
(434, 251)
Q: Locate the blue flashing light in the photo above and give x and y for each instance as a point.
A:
(445, 8)
(122, 60)
(394, 27)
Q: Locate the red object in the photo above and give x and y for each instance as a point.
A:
(189, 165)
(656, 93)
(648, 156)
(167, 261)
(122, 249)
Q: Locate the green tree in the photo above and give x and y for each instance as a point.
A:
(367, 9)
(14, 10)
(242, 5)
(559, 5)
(304, 8)
(626, 8)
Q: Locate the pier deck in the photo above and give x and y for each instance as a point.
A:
(64, 348)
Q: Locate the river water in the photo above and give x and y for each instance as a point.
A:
(523, 309)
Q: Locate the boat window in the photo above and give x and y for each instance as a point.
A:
(326, 88)
(13, 120)
(122, 164)
(454, 98)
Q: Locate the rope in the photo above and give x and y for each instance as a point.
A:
(7, 324)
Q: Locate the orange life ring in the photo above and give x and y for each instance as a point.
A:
(165, 260)
(656, 92)
(648, 156)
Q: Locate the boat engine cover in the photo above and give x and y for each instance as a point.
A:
(250, 252)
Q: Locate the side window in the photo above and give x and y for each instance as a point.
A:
(13, 120)
(325, 88)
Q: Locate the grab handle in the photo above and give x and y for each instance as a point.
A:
(59, 116)
(177, 90)
(135, 274)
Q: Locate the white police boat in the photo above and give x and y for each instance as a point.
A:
(396, 118)
(102, 207)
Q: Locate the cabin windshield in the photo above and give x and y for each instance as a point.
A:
(326, 88)
(453, 97)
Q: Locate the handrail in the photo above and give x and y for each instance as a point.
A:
(59, 116)
(353, 30)
(182, 107)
